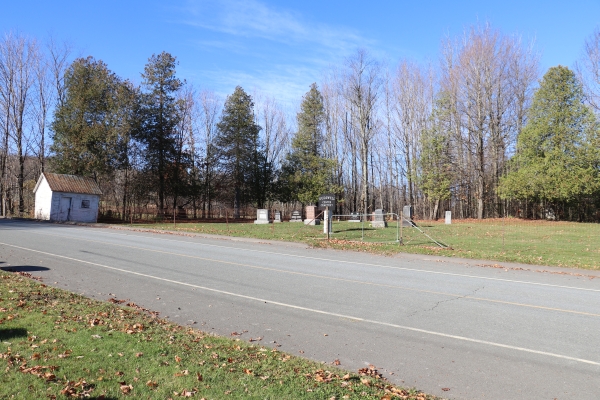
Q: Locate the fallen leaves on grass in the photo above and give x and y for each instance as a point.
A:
(125, 388)
(66, 354)
(322, 376)
(77, 389)
(135, 328)
(370, 371)
(152, 384)
(42, 371)
(185, 393)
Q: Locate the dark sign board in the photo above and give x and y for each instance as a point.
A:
(327, 200)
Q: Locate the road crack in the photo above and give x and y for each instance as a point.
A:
(437, 304)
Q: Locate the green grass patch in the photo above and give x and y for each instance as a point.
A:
(56, 344)
(563, 244)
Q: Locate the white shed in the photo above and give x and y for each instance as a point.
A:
(66, 198)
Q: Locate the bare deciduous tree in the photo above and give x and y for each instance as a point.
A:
(361, 87)
(488, 79)
(413, 93)
(588, 70)
(209, 109)
(20, 55)
(276, 131)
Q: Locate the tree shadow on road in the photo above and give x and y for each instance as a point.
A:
(24, 268)
(10, 333)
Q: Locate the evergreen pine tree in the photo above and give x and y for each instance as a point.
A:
(159, 117)
(91, 125)
(306, 173)
(558, 152)
(240, 149)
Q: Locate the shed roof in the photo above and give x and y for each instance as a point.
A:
(70, 184)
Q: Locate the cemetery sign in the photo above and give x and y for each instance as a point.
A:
(327, 200)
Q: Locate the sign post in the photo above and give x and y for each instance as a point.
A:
(325, 201)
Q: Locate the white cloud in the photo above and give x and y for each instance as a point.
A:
(251, 18)
(282, 53)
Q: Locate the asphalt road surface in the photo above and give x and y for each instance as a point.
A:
(433, 323)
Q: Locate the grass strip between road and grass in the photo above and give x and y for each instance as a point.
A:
(57, 344)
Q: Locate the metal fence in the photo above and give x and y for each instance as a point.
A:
(377, 228)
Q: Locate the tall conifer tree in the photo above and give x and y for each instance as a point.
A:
(240, 149)
(90, 128)
(159, 117)
(558, 151)
(306, 173)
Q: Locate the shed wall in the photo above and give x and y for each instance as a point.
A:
(43, 201)
(62, 210)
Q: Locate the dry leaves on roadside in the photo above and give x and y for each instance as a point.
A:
(370, 371)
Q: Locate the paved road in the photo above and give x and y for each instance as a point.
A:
(428, 322)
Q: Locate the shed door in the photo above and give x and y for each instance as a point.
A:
(65, 209)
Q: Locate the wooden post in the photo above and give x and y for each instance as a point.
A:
(401, 225)
(327, 218)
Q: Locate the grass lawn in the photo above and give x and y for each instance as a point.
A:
(56, 344)
(563, 244)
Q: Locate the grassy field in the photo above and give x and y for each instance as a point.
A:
(564, 244)
(56, 344)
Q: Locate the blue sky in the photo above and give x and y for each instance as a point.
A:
(280, 47)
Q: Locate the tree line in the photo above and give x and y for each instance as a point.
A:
(482, 134)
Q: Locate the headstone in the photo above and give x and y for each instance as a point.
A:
(277, 217)
(379, 219)
(311, 213)
(354, 217)
(407, 216)
(296, 216)
(262, 216)
(448, 217)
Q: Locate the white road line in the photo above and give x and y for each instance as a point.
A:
(306, 274)
(353, 262)
(407, 328)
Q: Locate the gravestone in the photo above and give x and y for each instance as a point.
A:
(379, 219)
(448, 217)
(354, 217)
(311, 213)
(296, 216)
(407, 216)
(277, 217)
(262, 216)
